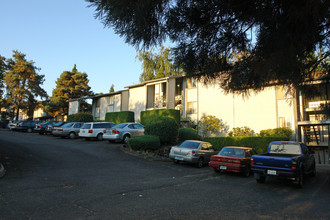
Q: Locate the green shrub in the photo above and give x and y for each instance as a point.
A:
(259, 144)
(241, 132)
(119, 117)
(163, 127)
(144, 142)
(276, 132)
(146, 116)
(187, 134)
(80, 117)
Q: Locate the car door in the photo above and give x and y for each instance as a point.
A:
(76, 127)
(139, 129)
(132, 130)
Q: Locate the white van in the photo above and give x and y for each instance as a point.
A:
(94, 130)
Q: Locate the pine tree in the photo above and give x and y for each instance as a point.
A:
(70, 85)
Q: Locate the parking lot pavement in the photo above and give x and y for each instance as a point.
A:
(49, 177)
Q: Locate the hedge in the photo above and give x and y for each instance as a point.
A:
(80, 117)
(146, 116)
(165, 128)
(144, 142)
(187, 134)
(119, 117)
(259, 144)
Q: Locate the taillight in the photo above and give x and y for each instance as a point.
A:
(193, 153)
(60, 129)
(104, 131)
(115, 132)
(39, 126)
(51, 128)
(252, 161)
(90, 131)
(294, 165)
(21, 125)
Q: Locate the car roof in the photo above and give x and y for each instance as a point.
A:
(197, 141)
(238, 147)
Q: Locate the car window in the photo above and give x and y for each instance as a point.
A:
(247, 153)
(98, 125)
(77, 125)
(131, 126)
(138, 126)
(189, 144)
(86, 126)
(120, 126)
(68, 125)
(109, 125)
(204, 147)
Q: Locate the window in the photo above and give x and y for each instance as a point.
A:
(192, 108)
(110, 103)
(192, 83)
(77, 125)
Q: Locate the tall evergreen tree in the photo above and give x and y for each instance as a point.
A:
(277, 37)
(112, 88)
(70, 85)
(157, 66)
(23, 84)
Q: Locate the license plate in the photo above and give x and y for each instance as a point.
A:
(178, 158)
(271, 172)
(223, 167)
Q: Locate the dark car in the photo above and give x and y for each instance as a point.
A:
(233, 159)
(51, 127)
(27, 126)
(43, 127)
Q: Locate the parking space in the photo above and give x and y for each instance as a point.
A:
(77, 179)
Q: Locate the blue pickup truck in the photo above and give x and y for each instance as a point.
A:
(290, 160)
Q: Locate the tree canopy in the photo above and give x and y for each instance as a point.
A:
(70, 85)
(23, 84)
(274, 38)
(157, 66)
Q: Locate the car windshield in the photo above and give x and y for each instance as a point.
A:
(57, 124)
(189, 144)
(285, 149)
(68, 125)
(232, 152)
(86, 126)
(120, 126)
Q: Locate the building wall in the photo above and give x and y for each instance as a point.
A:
(258, 111)
(73, 107)
(124, 100)
(137, 100)
(171, 93)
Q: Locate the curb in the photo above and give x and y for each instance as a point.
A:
(141, 155)
(2, 170)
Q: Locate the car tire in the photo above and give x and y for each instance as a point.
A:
(100, 137)
(176, 161)
(313, 173)
(300, 179)
(29, 130)
(126, 138)
(261, 179)
(216, 170)
(247, 171)
(72, 135)
(200, 162)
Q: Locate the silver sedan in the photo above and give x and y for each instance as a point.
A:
(123, 132)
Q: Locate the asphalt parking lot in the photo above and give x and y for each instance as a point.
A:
(54, 178)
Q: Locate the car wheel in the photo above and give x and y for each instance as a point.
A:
(29, 130)
(176, 161)
(216, 170)
(313, 173)
(72, 135)
(99, 137)
(300, 179)
(247, 171)
(200, 162)
(261, 179)
(126, 138)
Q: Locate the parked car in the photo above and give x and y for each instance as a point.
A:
(57, 128)
(27, 126)
(290, 160)
(13, 124)
(123, 132)
(191, 151)
(41, 127)
(49, 128)
(233, 159)
(70, 130)
(95, 130)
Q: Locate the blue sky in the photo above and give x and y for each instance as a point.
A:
(58, 34)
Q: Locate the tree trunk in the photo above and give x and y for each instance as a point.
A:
(17, 114)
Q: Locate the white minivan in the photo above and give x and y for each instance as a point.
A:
(94, 130)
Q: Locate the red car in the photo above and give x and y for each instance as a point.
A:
(233, 159)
